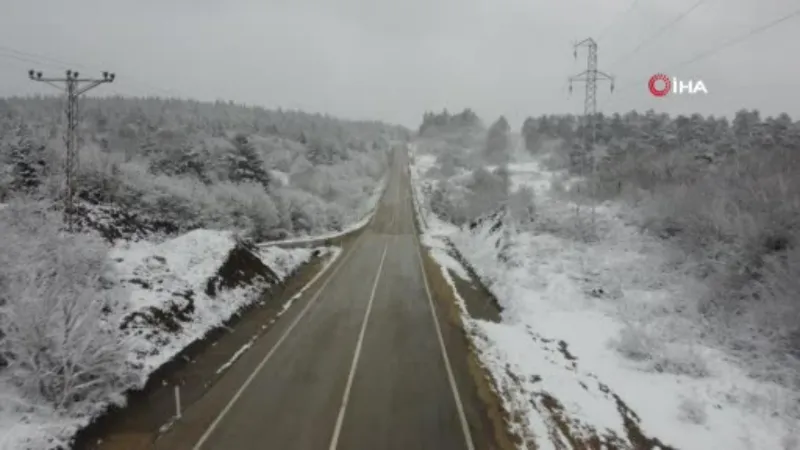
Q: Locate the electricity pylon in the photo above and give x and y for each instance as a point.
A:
(74, 88)
(590, 77)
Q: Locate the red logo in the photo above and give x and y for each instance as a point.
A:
(654, 89)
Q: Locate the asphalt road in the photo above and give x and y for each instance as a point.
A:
(364, 362)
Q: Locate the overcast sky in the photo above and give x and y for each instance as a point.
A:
(392, 60)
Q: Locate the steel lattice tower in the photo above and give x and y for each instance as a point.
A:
(590, 78)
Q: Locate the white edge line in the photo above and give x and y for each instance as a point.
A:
(451, 378)
(351, 376)
(337, 251)
(274, 348)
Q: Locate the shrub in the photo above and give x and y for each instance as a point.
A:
(693, 411)
(59, 320)
(522, 206)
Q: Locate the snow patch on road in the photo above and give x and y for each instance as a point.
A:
(236, 355)
(335, 252)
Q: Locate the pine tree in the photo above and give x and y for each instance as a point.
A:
(148, 146)
(194, 161)
(27, 160)
(321, 152)
(245, 164)
(497, 140)
(530, 132)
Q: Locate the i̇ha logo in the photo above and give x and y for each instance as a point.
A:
(660, 85)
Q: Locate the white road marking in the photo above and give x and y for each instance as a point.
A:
(340, 419)
(394, 209)
(400, 210)
(451, 378)
(275, 347)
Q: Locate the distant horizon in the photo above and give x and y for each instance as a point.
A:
(486, 121)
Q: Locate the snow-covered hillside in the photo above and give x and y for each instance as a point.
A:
(188, 165)
(82, 322)
(181, 288)
(598, 339)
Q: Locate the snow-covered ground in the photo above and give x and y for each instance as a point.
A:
(178, 290)
(174, 275)
(592, 343)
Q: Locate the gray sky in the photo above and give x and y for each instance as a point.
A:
(394, 60)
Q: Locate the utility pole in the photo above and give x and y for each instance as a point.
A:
(75, 86)
(508, 220)
(590, 77)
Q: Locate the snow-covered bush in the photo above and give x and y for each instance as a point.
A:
(692, 411)
(488, 191)
(461, 200)
(679, 360)
(635, 343)
(449, 202)
(450, 162)
(742, 224)
(522, 207)
(60, 332)
(302, 212)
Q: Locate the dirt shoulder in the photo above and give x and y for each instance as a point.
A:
(475, 383)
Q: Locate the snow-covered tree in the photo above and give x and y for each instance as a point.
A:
(27, 160)
(531, 135)
(60, 337)
(497, 141)
(245, 164)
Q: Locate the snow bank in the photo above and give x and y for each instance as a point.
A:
(593, 343)
(173, 301)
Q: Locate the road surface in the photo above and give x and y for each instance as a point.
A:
(366, 361)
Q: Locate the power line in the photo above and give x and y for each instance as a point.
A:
(60, 63)
(725, 45)
(35, 58)
(737, 40)
(659, 32)
(616, 19)
(44, 61)
(25, 59)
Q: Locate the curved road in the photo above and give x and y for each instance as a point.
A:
(365, 360)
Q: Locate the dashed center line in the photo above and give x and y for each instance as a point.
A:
(340, 419)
